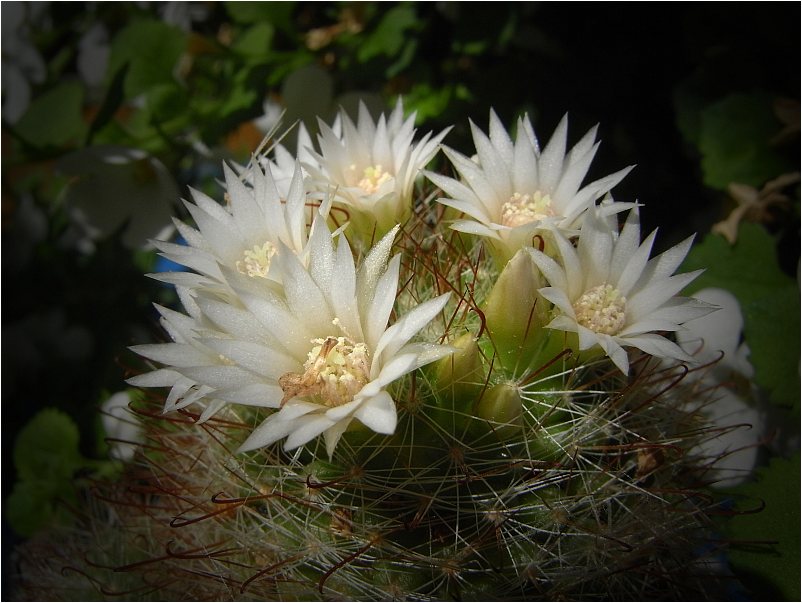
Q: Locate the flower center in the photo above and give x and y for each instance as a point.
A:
(601, 309)
(523, 209)
(373, 177)
(335, 370)
(256, 260)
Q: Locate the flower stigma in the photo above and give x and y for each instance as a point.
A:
(373, 177)
(336, 370)
(601, 309)
(523, 209)
(257, 259)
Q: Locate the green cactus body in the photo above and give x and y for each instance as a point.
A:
(523, 463)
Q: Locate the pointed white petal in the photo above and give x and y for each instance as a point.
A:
(550, 164)
(378, 413)
(382, 304)
(305, 429)
(407, 327)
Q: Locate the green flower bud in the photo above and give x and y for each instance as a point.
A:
(461, 376)
(502, 408)
(516, 313)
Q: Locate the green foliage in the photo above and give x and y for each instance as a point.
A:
(255, 41)
(46, 458)
(389, 36)
(277, 13)
(769, 301)
(766, 545)
(734, 141)
(152, 48)
(54, 118)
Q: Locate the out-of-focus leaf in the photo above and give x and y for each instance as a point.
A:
(112, 101)
(277, 13)
(688, 106)
(389, 36)
(773, 337)
(29, 507)
(152, 48)
(769, 301)
(755, 560)
(166, 107)
(255, 41)
(432, 102)
(734, 141)
(47, 447)
(54, 118)
(405, 58)
(241, 97)
(307, 93)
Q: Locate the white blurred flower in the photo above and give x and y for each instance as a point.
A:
(372, 166)
(22, 63)
(270, 118)
(738, 424)
(183, 14)
(93, 55)
(718, 335)
(123, 429)
(512, 188)
(612, 295)
(115, 187)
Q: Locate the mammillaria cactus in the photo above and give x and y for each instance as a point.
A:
(426, 419)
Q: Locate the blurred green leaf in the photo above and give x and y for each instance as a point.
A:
(54, 118)
(111, 102)
(769, 301)
(277, 13)
(734, 141)
(255, 41)
(688, 106)
(754, 560)
(47, 448)
(307, 93)
(166, 108)
(152, 48)
(389, 36)
(47, 458)
(430, 102)
(29, 507)
(405, 58)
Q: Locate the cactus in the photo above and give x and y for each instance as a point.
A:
(523, 461)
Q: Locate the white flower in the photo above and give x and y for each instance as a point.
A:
(318, 346)
(276, 158)
(243, 236)
(611, 294)
(341, 356)
(512, 188)
(189, 356)
(739, 425)
(372, 166)
(122, 427)
(719, 334)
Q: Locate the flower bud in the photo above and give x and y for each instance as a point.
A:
(515, 312)
(502, 408)
(461, 376)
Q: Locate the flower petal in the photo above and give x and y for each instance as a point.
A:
(379, 413)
